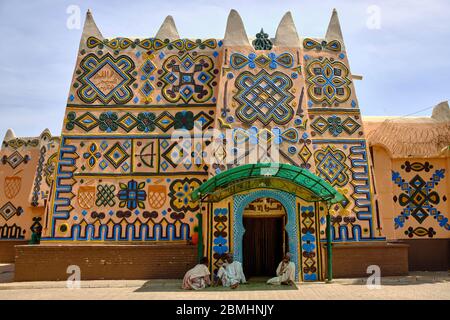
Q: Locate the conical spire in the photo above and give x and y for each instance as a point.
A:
(9, 135)
(235, 34)
(334, 31)
(45, 133)
(441, 112)
(287, 35)
(90, 29)
(168, 30)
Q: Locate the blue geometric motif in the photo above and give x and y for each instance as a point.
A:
(239, 61)
(332, 167)
(264, 97)
(106, 79)
(418, 198)
(362, 197)
(187, 78)
(328, 81)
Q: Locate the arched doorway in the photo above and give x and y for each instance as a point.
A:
(242, 201)
(228, 194)
(265, 239)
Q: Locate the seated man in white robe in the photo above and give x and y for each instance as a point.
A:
(231, 273)
(198, 277)
(285, 272)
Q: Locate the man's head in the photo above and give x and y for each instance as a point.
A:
(229, 258)
(204, 261)
(287, 257)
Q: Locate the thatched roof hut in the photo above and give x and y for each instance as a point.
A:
(412, 137)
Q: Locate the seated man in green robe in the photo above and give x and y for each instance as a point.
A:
(36, 235)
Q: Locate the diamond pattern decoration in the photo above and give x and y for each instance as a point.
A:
(87, 121)
(305, 154)
(104, 145)
(350, 125)
(262, 61)
(320, 124)
(177, 154)
(116, 155)
(335, 125)
(9, 210)
(419, 198)
(147, 88)
(148, 68)
(15, 159)
(272, 61)
(164, 121)
(205, 119)
(144, 121)
(103, 164)
(128, 122)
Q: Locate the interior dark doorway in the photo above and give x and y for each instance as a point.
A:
(263, 245)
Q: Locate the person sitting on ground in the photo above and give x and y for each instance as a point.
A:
(198, 277)
(36, 235)
(285, 272)
(231, 273)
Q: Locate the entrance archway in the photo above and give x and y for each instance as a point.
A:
(287, 200)
(229, 192)
(264, 242)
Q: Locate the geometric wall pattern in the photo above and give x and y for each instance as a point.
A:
(121, 176)
(419, 200)
(27, 169)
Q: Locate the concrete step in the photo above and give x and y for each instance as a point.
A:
(6, 267)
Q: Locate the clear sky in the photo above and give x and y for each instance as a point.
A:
(401, 47)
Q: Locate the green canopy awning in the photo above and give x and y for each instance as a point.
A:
(284, 177)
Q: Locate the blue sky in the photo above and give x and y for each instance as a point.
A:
(405, 62)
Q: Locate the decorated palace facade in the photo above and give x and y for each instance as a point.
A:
(250, 146)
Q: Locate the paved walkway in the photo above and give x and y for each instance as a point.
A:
(426, 286)
(428, 291)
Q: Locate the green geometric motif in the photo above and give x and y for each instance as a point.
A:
(106, 195)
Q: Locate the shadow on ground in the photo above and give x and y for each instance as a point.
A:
(413, 278)
(254, 284)
(6, 273)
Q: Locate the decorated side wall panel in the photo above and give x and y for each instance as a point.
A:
(420, 199)
(27, 167)
(128, 96)
(340, 149)
(301, 102)
(122, 176)
(261, 106)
